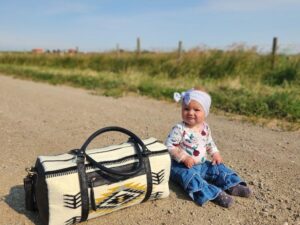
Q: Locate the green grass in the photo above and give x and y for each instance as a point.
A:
(240, 81)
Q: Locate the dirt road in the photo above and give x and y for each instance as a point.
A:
(39, 119)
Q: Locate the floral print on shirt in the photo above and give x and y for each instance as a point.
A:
(196, 144)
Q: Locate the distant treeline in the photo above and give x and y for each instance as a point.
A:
(240, 81)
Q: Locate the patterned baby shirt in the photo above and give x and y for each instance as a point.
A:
(183, 141)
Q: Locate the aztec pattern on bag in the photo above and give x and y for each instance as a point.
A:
(61, 183)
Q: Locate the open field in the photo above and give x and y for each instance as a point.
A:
(241, 81)
(40, 119)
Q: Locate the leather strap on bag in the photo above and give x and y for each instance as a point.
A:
(149, 178)
(141, 150)
(147, 168)
(83, 187)
(143, 162)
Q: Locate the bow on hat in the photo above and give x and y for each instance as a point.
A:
(201, 97)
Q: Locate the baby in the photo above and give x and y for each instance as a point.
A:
(189, 142)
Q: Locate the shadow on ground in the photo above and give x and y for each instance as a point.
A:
(180, 193)
(16, 200)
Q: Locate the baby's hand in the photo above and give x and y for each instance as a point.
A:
(216, 158)
(189, 162)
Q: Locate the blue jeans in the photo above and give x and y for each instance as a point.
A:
(204, 182)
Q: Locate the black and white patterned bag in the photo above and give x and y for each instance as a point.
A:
(84, 184)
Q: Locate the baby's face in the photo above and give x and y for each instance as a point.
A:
(193, 114)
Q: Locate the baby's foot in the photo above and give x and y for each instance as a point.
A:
(239, 190)
(223, 200)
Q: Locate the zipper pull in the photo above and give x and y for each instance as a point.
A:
(93, 203)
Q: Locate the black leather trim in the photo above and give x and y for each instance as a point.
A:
(83, 188)
(147, 167)
(41, 193)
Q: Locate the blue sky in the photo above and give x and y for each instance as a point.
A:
(99, 25)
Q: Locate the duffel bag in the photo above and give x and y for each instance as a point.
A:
(83, 184)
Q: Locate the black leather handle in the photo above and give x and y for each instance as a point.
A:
(140, 149)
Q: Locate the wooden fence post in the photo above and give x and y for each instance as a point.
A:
(118, 50)
(138, 46)
(274, 49)
(179, 54)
